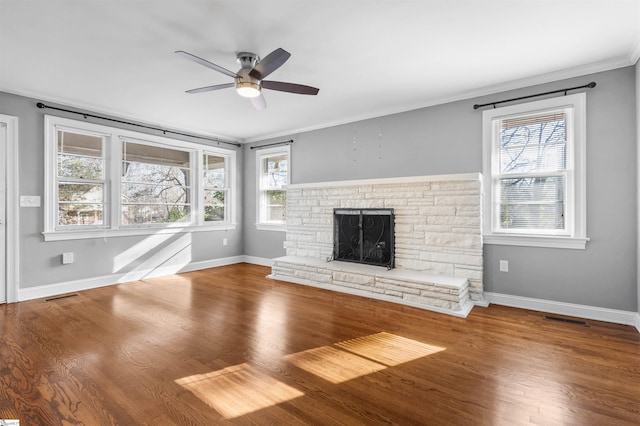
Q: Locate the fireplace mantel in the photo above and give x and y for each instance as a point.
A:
(477, 177)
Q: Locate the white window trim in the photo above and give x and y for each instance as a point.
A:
(113, 149)
(260, 154)
(576, 199)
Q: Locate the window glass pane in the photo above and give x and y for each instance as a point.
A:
(91, 192)
(80, 167)
(80, 156)
(141, 153)
(533, 143)
(533, 158)
(154, 213)
(214, 171)
(155, 184)
(532, 203)
(79, 214)
(276, 205)
(77, 144)
(275, 171)
(155, 173)
(214, 205)
(153, 193)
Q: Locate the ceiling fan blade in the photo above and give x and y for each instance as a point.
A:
(270, 63)
(211, 88)
(259, 102)
(206, 63)
(290, 87)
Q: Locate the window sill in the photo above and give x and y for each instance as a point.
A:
(281, 227)
(128, 232)
(536, 241)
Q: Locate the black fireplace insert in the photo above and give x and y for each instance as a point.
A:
(364, 236)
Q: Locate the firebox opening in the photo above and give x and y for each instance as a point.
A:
(364, 236)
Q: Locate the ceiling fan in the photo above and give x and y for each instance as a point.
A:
(250, 79)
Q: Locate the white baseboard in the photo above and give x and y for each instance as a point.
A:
(49, 290)
(638, 321)
(262, 261)
(568, 309)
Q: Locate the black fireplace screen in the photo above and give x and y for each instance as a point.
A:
(364, 236)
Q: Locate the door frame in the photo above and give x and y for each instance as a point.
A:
(12, 206)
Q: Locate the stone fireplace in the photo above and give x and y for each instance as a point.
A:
(437, 238)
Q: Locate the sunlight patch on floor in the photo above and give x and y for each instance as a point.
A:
(332, 364)
(238, 390)
(388, 349)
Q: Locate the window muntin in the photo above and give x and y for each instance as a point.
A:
(216, 187)
(273, 175)
(534, 173)
(155, 184)
(80, 180)
(103, 181)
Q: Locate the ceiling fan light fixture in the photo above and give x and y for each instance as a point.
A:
(248, 89)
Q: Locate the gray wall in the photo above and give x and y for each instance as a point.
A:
(40, 262)
(448, 139)
(637, 68)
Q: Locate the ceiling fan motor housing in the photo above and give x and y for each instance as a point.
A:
(247, 85)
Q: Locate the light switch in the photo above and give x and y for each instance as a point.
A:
(29, 201)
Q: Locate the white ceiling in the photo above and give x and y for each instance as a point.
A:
(368, 57)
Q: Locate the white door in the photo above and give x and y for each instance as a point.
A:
(3, 209)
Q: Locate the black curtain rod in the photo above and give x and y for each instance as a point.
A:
(273, 144)
(41, 105)
(590, 86)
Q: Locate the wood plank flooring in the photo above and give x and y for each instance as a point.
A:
(229, 346)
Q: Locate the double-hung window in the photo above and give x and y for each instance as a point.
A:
(80, 179)
(216, 187)
(534, 173)
(273, 171)
(155, 184)
(103, 181)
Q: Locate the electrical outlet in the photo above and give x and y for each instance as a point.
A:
(67, 258)
(224, 241)
(504, 266)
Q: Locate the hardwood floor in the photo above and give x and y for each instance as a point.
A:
(229, 346)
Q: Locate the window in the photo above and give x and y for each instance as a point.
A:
(107, 181)
(216, 187)
(80, 179)
(534, 173)
(273, 174)
(155, 184)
